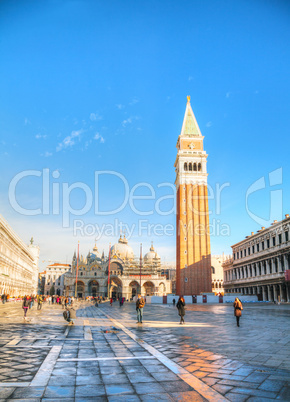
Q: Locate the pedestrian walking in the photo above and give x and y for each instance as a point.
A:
(181, 309)
(140, 303)
(72, 315)
(49, 300)
(111, 301)
(29, 302)
(25, 306)
(238, 307)
(173, 302)
(63, 302)
(39, 302)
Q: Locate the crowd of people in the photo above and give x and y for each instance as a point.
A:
(28, 301)
(67, 303)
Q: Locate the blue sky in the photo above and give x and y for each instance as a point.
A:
(91, 86)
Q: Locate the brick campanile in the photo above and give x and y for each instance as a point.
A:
(193, 259)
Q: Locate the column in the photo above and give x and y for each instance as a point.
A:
(264, 293)
(275, 293)
(281, 292)
(280, 267)
(269, 293)
(267, 267)
(285, 261)
(287, 293)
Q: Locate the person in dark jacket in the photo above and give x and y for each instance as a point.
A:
(181, 310)
(238, 307)
(25, 306)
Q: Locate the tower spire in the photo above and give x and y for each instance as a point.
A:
(190, 127)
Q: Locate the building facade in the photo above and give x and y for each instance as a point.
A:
(193, 257)
(260, 264)
(55, 277)
(217, 273)
(18, 263)
(117, 276)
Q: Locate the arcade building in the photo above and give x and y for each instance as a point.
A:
(93, 270)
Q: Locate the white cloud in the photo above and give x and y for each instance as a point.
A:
(47, 154)
(70, 140)
(127, 121)
(38, 136)
(134, 101)
(120, 106)
(95, 116)
(98, 136)
(208, 124)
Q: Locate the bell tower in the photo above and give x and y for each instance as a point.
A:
(193, 259)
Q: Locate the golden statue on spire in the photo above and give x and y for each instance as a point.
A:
(188, 98)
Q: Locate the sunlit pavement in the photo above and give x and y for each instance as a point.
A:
(107, 356)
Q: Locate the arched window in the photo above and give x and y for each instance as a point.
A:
(220, 285)
(190, 167)
(199, 167)
(212, 270)
(212, 285)
(194, 167)
(185, 166)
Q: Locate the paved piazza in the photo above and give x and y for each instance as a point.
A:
(106, 356)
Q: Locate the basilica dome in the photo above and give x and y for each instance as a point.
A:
(122, 249)
(151, 255)
(95, 254)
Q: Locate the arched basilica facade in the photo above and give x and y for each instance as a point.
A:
(124, 274)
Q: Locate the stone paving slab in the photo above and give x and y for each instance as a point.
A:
(106, 356)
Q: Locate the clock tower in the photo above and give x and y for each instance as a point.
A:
(193, 259)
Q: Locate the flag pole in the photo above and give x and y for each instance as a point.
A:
(77, 270)
(140, 268)
(109, 270)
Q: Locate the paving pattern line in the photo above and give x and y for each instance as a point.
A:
(87, 331)
(42, 376)
(14, 384)
(29, 346)
(203, 389)
(66, 331)
(88, 359)
(13, 342)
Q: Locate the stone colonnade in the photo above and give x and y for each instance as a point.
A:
(278, 264)
(276, 292)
